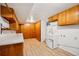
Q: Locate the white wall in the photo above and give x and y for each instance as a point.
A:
(4, 22)
(69, 38)
(43, 29)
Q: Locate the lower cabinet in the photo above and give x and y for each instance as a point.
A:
(12, 50)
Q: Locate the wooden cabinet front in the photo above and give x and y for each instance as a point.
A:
(12, 50)
(69, 17)
(50, 19)
(53, 18)
(32, 31)
(7, 13)
(62, 18)
(38, 30)
(72, 16)
(28, 30)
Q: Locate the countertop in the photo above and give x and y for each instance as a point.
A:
(7, 39)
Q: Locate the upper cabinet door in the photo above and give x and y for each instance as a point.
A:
(50, 19)
(6, 12)
(72, 16)
(77, 13)
(62, 19)
(69, 17)
(53, 18)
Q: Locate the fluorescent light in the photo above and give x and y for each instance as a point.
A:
(30, 19)
(77, 13)
(27, 24)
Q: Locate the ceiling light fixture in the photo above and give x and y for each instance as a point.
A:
(77, 13)
(27, 24)
(30, 20)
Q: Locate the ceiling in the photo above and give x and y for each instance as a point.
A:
(22, 10)
(25, 10)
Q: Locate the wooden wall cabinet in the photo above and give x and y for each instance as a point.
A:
(13, 26)
(38, 30)
(25, 30)
(7, 13)
(28, 30)
(62, 18)
(69, 17)
(53, 18)
(50, 19)
(72, 16)
(31, 30)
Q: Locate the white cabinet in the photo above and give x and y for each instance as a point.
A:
(69, 38)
